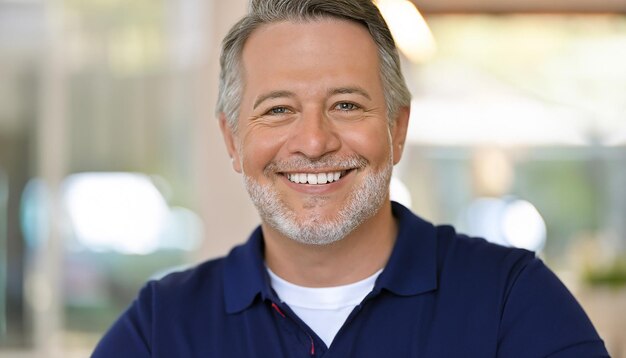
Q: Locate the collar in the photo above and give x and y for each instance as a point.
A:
(245, 276)
(411, 268)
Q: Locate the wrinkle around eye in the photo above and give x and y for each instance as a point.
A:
(274, 114)
(270, 120)
(358, 115)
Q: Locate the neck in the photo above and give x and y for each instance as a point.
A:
(353, 258)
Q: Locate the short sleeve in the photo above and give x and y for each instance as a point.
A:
(541, 318)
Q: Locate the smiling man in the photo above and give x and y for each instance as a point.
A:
(314, 112)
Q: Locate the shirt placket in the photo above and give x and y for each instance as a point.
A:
(308, 340)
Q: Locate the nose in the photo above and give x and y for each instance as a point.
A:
(313, 135)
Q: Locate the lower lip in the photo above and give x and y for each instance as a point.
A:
(317, 189)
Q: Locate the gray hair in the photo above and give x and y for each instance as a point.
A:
(263, 12)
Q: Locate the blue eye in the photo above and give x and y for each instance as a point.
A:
(278, 110)
(346, 106)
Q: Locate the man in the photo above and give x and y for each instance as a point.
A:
(314, 112)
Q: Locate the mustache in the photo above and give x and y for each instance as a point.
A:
(329, 161)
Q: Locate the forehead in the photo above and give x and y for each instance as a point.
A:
(310, 50)
(330, 30)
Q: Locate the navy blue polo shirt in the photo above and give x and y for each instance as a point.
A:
(441, 295)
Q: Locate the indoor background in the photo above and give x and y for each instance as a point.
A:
(113, 171)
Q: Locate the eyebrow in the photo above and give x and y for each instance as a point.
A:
(331, 92)
(349, 90)
(272, 95)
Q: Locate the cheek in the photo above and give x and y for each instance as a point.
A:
(371, 142)
(259, 148)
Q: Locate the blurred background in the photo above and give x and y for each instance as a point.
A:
(113, 171)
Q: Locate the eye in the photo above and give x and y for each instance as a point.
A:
(346, 106)
(278, 110)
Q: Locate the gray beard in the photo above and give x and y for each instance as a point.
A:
(364, 201)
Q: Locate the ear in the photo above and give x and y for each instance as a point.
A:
(398, 132)
(231, 143)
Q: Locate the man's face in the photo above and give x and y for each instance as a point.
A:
(313, 139)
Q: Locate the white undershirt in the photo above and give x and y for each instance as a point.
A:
(324, 309)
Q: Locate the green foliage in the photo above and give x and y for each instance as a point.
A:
(613, 275)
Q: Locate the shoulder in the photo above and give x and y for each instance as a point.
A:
(185, 285)
(162, 307)
(453, 250)
(194, 275)
(460, 262)
(483, 273)
(477, 255)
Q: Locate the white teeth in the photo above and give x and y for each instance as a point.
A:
(314, 178)
(321, 178)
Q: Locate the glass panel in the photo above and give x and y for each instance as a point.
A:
(121, 79)
(130, 200)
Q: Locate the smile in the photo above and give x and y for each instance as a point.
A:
(315, 178)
